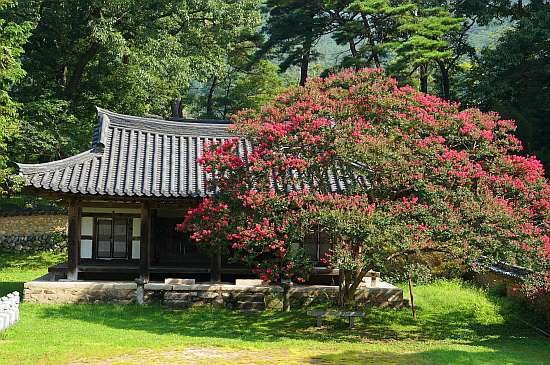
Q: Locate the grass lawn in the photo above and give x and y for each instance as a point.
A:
(457, 324)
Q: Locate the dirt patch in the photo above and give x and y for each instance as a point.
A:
(190, 356)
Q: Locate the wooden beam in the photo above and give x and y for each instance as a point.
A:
(108, 204)
(216, 269)
(145, 242)
(73, 244)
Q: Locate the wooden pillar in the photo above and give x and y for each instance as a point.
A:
(216, 268)
(145, 242)
(73, 246)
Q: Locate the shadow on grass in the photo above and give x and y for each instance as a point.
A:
(428, 357)
(268, 326)
(10, 287)
(364, 357)
(381, 325)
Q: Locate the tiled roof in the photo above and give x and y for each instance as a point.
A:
(134, 156)
(144, 157)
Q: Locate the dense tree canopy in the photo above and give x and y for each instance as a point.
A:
(513, 76)
(131, 56)
(417, 174)
(12, 38)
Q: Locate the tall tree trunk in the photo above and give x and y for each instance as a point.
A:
(423, 69)
(444, 79)
(176, 108)
(306, 54)
(304, 67)
(79, 70)
(210, 99)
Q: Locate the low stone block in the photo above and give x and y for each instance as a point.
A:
(179, 281)
(249, 282)
(275, 304)
(125, 286)
(158, 286)
(179, 296)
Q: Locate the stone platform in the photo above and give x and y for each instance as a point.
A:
(42, 290)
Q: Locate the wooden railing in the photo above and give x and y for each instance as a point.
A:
(9, 310)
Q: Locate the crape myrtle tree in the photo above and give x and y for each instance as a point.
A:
(415, 174)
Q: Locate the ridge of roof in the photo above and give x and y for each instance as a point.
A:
(185, 127)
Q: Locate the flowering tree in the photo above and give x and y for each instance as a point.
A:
(384, 171)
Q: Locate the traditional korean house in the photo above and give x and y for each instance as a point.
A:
(126, 194)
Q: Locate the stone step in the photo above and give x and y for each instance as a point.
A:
(179, 281)
(254, 306)
(173, 295)
(251, 297)
(177, 303)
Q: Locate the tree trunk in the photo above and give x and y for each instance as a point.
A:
(304, 67)
(210, 100)
(306, 55)
(444, 80)
(348, 287)
(79, 70)
(176, 108)
(423, 78)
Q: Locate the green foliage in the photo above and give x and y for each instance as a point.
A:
(22, 201)
(12, 38)
(134, 57)
(512, 77)
(49, 130)
(419, 274)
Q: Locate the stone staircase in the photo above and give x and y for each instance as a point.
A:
(177, 299)
(251, 302)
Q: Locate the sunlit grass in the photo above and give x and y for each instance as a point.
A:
(16, 269)
(457, 324)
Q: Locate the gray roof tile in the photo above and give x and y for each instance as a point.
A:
(134, 156)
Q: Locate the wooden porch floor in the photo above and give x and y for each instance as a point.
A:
(155, 268)
(166, 268)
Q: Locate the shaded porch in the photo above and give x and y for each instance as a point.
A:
(161, 270)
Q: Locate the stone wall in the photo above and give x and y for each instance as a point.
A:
(197, 295)
(505, 279)
(29, 224)
(38, 242)
(33, 233)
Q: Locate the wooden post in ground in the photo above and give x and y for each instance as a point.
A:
(145, 243)
(140, 291)
(216, 268)
(73, 247)
(286, 295)
(412, 298)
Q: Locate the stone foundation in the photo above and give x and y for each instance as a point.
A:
(218, 295)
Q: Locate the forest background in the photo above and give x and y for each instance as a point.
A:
(172, 58)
